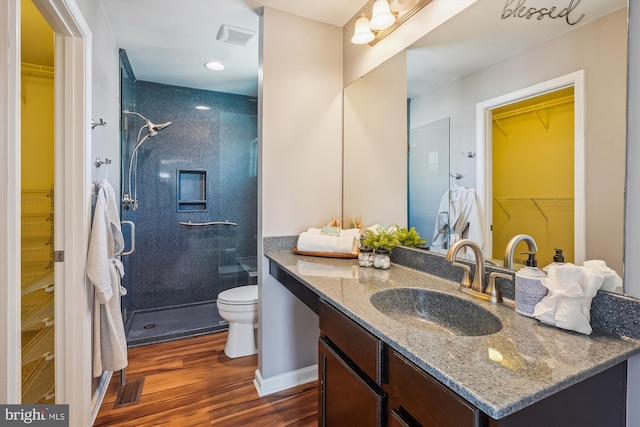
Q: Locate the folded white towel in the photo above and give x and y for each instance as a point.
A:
(351, 232)
(611, 279)
(568, 303)
(307, 268)
(310, 242)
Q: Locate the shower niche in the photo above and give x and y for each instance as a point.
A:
(192, 190)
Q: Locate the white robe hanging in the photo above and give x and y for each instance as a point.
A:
(105, 272)
(459, 217)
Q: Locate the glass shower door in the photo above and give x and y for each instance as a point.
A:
(428, 175)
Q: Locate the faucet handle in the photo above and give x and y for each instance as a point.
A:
(492, 289)
(466, 279)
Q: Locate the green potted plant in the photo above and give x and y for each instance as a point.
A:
(410, 237)
(382, 241)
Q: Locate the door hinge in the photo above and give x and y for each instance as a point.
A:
(58, 256)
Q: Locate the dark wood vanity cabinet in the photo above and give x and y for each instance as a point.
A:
(416, 399)
(598, 401)
(350, 362)
(363, 382)
(346, 398)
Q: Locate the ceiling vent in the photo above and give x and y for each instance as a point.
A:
(236, 35)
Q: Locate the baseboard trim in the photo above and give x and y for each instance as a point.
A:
(99, 394)
(266, 386)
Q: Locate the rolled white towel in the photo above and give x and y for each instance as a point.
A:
(309, 242)
(568, 303)
(351, 232)
(611, 279)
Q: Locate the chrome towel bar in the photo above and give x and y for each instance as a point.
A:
(203, 224)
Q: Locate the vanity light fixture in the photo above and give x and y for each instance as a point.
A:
(385, 18)
(381, 17)
(214, 65)
(362, 33)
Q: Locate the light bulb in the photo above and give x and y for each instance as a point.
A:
(381, 17)
(362, 33)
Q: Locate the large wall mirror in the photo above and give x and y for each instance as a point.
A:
(470, 60)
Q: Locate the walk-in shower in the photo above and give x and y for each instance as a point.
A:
(196, 206)
(129, 194)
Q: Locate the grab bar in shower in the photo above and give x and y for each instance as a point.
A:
(203, 224)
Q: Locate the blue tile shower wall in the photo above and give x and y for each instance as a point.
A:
(174, 264)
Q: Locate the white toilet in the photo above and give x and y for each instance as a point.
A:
(239, 307)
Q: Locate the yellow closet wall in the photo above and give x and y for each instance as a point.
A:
(37, 150)
(533, 175)
(37, 127)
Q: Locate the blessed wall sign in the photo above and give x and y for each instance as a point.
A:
(519, 9)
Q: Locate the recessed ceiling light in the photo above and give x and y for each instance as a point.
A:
(202, 107)
(214, 65)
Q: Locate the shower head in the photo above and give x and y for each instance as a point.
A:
(153, 128)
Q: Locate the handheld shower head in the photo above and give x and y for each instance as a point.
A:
(129, 199)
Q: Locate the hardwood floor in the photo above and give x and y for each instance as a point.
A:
(191, 382)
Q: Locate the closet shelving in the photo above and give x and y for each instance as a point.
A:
(538, 203)
(38, 364)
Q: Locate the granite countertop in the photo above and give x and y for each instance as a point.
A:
(500, 373)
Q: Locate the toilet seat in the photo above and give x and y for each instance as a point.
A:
(243, 295)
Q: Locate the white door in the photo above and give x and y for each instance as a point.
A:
(72, 204)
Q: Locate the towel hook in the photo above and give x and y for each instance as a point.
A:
(99, 162)
(98, 123)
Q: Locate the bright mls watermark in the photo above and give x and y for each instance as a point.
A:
(34, 415)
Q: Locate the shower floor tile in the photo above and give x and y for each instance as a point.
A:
(158, 325)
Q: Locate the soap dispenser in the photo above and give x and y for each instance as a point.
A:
(558, 259)
(529, 287)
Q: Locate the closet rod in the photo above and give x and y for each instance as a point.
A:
(533, 108)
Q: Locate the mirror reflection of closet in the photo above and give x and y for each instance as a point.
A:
(533, 175)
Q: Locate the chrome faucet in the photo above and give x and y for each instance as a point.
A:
(477, 287)
(511, 247)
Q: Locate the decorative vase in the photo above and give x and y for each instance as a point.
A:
(365, 258)
(381, 259)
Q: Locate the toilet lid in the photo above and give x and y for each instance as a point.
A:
(240, 295)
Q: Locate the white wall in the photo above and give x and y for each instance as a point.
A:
(600, 49)
(375, 158)
(105, 143)
(105, 140)
(300, 184)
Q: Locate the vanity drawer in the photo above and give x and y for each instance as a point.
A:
(354, 341)
(424, 401)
